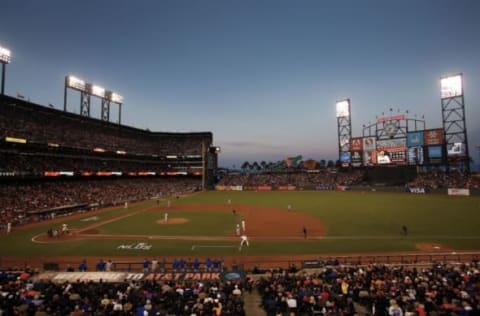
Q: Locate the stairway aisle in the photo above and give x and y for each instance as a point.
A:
(252, 303)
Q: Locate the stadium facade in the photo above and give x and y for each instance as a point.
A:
(40, 143)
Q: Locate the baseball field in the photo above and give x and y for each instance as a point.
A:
(204, 225)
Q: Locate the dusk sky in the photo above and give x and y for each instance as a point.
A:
(262, 75)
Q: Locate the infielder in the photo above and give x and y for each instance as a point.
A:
(9, 227)
(243, 240)
(244, 228)
(165, 218)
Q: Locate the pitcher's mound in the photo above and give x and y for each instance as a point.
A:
(173, 221)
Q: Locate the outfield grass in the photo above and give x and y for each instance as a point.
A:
(354, 221)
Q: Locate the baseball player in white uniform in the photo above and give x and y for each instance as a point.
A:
(237, 230)
(243, 241)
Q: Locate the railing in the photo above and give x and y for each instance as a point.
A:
(248, 263)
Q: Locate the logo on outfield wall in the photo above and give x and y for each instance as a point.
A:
(135, 246)
(90, 219)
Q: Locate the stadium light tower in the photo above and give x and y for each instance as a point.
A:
(5, 58)
(453, 117)
(344, 128)
(88, 90)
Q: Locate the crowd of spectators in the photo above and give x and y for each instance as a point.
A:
(21, 201)
(36, 164)
(20, 294)
(42, 125)
(323, 178)
(441, 179)
(330, 180)
(438, 289)
(442, 288)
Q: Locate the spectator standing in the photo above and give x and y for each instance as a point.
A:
(145, 265)
(154, 265)
(83, 266)
(109, 265)
(101, 265)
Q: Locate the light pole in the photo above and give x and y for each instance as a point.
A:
(5, 58)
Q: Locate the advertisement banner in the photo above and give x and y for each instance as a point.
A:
(433, 137)
(368, 158)
(394, 144)
(453, 191)
(356, 158)
(417, 190)
(369, 144)
(415, 155)
(287, 188)
(415, 139)
(229, 188)
(434, 154)
(345, 157)
(356, 144)
(399, 117)
(118, 277)
(456, 149)
(264, 188)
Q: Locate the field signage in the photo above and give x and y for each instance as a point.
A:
(135, 246)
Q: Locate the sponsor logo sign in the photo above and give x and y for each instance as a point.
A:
(369, 144)
(454, 191)
(135, 246)
(395, 144)
(368, 157)
(391, 118)
(356, 158)
(90, 219)
(345, 157)
(357, 144)
(264, 188)
(116, 277)
(415, 139)
(417, 190)
(415, 155)
(287, 188)
(433, 137)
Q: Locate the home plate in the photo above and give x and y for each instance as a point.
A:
(436, 247)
